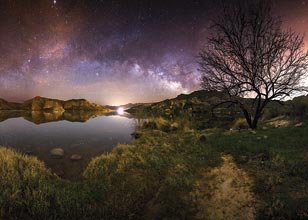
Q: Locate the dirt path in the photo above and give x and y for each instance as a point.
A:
(225, 192)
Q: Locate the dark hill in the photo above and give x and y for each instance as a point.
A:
(197, 107)
(195, 102)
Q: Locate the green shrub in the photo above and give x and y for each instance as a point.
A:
(298, 107)
(270, 113)
(239, 124)
(133, 174)
(24, 185)
(30, 191)
(149, 125)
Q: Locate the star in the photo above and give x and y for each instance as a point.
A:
(96, 47)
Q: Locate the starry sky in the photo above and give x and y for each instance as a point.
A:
(110, 51)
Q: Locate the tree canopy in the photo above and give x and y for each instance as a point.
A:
(249, 54)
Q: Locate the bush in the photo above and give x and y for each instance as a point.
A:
(298, 107)
(239, 124)
(133, 174)
(30, 191)
(24, 185)
(149, 125)
(270, 113)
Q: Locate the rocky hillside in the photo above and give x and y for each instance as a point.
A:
(194, 107)
(195, 103)
(197, 107)
(5, 105)
(52, 105)
(43, 104)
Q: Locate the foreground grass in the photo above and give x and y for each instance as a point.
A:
(29, 191)
(155, 178)
(277, 160)
(151, 179)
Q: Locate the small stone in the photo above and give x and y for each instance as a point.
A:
(265, 136)
(76, 157)
(57, 152)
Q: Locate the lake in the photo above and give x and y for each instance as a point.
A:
(88, 137)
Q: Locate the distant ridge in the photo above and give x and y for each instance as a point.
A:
(197, 101)
(55, 105)
(125, 106)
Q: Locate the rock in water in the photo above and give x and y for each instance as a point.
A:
(76, 157)
(57, 152)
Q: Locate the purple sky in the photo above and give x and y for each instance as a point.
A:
(109, 51)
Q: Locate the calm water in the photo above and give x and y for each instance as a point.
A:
(88, 139)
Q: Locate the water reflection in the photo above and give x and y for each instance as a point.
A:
(90, 135)
(39, 117)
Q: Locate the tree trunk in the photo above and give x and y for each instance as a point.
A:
(255, 121)
(258, 114)
(247, 117)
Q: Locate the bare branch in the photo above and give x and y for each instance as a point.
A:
(250, 55)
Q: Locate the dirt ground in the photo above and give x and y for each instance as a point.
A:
(225, 192)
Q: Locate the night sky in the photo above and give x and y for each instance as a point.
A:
(109, 51)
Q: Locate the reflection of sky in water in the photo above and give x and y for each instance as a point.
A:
(103, 132)
(88, 139)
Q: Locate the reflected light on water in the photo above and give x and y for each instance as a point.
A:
(120, 111)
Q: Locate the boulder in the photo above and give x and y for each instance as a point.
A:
(300, 124)
(76, 157)
(57, 152)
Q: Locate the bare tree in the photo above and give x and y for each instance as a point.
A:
(250, 55)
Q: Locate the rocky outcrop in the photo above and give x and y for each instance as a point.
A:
(57, 153)
(81, 104)
(43, 104)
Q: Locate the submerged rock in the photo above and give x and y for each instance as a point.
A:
(57, 152)
(76, 157)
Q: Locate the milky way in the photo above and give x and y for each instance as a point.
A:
(110, 52)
